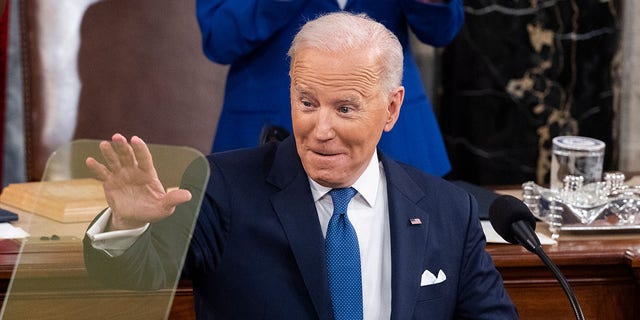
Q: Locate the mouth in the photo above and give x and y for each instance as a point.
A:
(324, 158)
(324, 153)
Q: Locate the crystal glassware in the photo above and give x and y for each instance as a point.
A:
(608, 204)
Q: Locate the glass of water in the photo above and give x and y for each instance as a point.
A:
(576, 156)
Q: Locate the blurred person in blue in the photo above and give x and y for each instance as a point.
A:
(253, 36)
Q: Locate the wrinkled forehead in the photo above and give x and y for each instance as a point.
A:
(313, 68)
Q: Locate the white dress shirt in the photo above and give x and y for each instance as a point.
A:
(369, 214)
(114, 243)
(342, 3)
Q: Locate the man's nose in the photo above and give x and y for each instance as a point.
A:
(324, 126)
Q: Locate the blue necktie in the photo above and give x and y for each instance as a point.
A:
(343, 259)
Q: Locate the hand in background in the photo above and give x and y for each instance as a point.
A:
(131, 185)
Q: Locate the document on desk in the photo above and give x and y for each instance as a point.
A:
(493, 237)
(8, 231)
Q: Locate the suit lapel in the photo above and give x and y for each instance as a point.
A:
(408, 241)
(294, 207)
(296, 210)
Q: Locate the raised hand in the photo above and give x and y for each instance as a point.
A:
(131, 185)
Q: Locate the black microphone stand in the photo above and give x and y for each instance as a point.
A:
(577, 311)
(529, 240)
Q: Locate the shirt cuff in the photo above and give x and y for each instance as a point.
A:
(113, 243)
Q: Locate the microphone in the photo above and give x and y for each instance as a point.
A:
(513, 221)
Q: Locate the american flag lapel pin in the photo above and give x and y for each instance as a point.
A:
(415, 221)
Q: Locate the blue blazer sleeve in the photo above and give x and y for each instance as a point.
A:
(233, 28)
(481, 291)
(434, 24)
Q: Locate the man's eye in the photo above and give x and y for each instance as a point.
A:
(344, 109)
(306, 103)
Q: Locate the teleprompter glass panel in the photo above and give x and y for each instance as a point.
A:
(57, 276)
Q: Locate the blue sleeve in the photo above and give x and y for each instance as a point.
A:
(434, 24)
(211, 228)
(481, 294)
(234, 28)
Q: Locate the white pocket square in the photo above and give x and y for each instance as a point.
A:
(428, 278)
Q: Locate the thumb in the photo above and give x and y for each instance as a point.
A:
(176, 197)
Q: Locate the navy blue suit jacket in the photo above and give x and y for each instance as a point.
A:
(257, 250)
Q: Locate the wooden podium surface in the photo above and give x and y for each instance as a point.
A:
(61, 263)
(603, 270)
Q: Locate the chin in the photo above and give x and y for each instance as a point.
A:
(322, 178)
(329, 179)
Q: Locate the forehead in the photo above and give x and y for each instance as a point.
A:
(353, 70)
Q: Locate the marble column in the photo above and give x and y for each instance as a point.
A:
(522, 72)
(629, 119)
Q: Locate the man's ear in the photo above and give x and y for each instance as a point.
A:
(393, 108)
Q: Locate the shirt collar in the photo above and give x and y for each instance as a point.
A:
(366, 185)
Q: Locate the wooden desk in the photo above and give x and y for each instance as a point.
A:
(604, 275)
(603, 270)
(66, 291)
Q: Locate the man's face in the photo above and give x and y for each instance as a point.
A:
(339, 113)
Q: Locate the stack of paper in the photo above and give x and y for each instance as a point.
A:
(77, 200)
(493, 236)
(8, 231)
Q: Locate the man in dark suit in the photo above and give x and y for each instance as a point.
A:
(261, 245)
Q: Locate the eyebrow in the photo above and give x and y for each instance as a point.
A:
(346, 100)
(302, 90)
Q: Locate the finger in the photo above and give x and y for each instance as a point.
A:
(99, 170)
(118, 137)
(123, 150)
(110, 157)
(176, 197)
(143, 155)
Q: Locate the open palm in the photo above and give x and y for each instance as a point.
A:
(131, 185)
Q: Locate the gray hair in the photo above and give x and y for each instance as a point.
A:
(342, 31)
